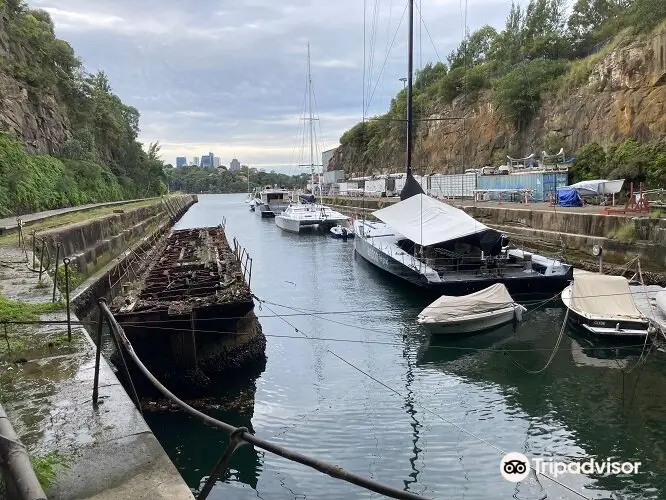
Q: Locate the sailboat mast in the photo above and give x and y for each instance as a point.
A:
(410, 71)
(312, 166)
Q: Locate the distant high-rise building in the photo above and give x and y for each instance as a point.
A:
(234, 166)
(207, 161)
(181, 161)
(216, 161)
(195, 161)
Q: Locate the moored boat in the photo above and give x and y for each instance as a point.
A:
(341, 231)
(604, 306)
(476, 312)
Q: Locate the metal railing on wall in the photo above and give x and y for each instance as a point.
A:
(244, 260)
(238, 436)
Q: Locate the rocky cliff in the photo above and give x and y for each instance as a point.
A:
(624, 97)
(34, 117)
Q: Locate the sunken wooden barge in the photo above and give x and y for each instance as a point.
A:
(192, 310)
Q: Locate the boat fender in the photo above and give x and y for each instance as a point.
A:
(518, 310)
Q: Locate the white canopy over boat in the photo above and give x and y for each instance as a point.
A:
(428, 221)
(449, 308)
(596, 187)
(599, 295)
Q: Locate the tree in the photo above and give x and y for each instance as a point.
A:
(474, 50)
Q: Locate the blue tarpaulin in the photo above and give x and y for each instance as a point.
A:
(568, 198)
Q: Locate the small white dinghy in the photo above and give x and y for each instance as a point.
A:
(487, 308)
(340, 231)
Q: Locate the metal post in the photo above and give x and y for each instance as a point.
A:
(33, 248)
(116, 343)
(41, 261)
(9, 347)
(98, 352)
(235, 441)
(65, 262)
(55, 273)
(249, 280)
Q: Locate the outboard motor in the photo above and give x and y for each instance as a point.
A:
(344, 234)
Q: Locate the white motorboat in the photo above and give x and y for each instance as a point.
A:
(487, 308)
(272, 201)
(304, 216)
(341, 231)
(604, 306)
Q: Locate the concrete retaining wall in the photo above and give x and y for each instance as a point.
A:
(92, 244)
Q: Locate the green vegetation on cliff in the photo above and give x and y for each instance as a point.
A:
(206, 180)
(627, 159)
(544, 49)
(102, 159)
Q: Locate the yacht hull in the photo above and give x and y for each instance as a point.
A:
(527, 286)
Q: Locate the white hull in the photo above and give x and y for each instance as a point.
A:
(660, 299)
(472, 324)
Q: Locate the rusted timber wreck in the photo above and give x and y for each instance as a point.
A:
(192, 313)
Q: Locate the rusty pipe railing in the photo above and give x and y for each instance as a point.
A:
(19, 476)
(238, 436)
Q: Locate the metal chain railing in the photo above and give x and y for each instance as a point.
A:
(238, 436)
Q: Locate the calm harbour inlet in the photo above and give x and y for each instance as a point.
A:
(402, 406)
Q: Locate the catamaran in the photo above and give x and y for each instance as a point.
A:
(436, 246)
(308, 214)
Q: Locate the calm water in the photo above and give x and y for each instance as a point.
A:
(589, 403)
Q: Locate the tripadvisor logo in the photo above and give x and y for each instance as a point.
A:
(515, 467)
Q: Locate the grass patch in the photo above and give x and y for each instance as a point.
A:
(657, 213)
(47, 466)
(626, 233)
(75, 278)
(11, 310)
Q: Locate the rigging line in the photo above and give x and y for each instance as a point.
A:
(388, 37)
(364, 54)
(294, 160)
(457, 426)
(381, 72)
(373, 41)
(333, 339)
(432, 42)
(552, 355)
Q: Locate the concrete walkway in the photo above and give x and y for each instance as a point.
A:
(9, 225)
(104, 453)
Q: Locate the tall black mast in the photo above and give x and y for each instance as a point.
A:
(409, 86)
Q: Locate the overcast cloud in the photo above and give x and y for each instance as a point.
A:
(229, 76)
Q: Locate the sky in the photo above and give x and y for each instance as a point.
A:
(230, 76)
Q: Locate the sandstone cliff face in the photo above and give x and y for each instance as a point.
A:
(34, 117)
(625, 97)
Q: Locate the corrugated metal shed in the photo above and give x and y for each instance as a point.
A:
(542, 184)
(453, 186)
(333, 176)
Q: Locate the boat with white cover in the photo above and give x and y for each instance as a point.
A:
(478, 311)
(604, 306)
(436, 246)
